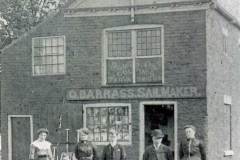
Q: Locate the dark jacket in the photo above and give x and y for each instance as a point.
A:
(163, 153)
(85, 151)
(194, 151)
(114, 153)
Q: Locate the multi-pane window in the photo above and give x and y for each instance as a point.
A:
(101, 118)
(48, 55)
(133, 55)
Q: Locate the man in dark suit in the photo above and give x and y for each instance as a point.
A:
(157, 151)
(113, 151)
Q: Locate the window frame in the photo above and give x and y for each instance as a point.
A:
(133, 30)
(64, 55)
(99, 105)
(228, 106)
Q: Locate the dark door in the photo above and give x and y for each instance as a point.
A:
(21, 138)
(160, 117)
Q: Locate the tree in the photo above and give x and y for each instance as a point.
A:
(22, 15)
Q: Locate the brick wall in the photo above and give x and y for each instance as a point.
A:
(222, 79)
(42, 96)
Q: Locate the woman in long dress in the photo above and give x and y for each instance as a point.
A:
(85, 150)
(191, 148)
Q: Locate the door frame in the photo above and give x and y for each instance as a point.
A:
(142, 125)
(10, 131)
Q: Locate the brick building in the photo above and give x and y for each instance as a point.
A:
(130, 65)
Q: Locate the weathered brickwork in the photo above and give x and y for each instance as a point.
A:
(222, 79)
(44, 96)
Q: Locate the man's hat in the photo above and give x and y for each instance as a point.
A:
(44, 130)
(190, 126)
(157, 133)
(84, 131)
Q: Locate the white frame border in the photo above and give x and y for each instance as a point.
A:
(10, 131)
(64, 52)
(142, 125)
(132, 29)
(110, 105)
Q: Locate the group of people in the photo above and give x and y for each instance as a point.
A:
(86, 151)
(40, 149)
(190, 148)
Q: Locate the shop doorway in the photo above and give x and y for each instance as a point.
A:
(158, 115)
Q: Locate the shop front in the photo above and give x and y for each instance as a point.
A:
(134, 112)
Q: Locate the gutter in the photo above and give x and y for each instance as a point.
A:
(135, 6)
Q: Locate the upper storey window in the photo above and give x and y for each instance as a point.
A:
(48, 55)
(133, 54)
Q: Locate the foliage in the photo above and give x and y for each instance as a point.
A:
(22, 15)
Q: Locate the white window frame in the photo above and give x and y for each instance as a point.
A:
(10, 131)
(228, 104)
(64, 52)
(133, 29)
(94, 105)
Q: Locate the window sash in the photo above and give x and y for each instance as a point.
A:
(146, 72)
(156, 52)
(120, 71)
(119, 44)
(48, 55)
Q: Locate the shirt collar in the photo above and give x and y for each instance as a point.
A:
(156, 147)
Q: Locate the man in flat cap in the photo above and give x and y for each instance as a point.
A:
(85, 149)
(157, 151)
(191, 148)
(113, 151)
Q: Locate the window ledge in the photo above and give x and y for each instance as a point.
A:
(106, 143)
(49, 75)
(228, 153)
(132, 85)
(58, 77)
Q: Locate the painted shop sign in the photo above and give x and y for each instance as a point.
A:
(133, 93)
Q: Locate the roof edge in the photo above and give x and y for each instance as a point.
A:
(156, 5)
(214, 5)
(68, 3)
(47, 19)
(227, 15)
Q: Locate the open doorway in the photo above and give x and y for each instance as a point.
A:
(158, 115)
